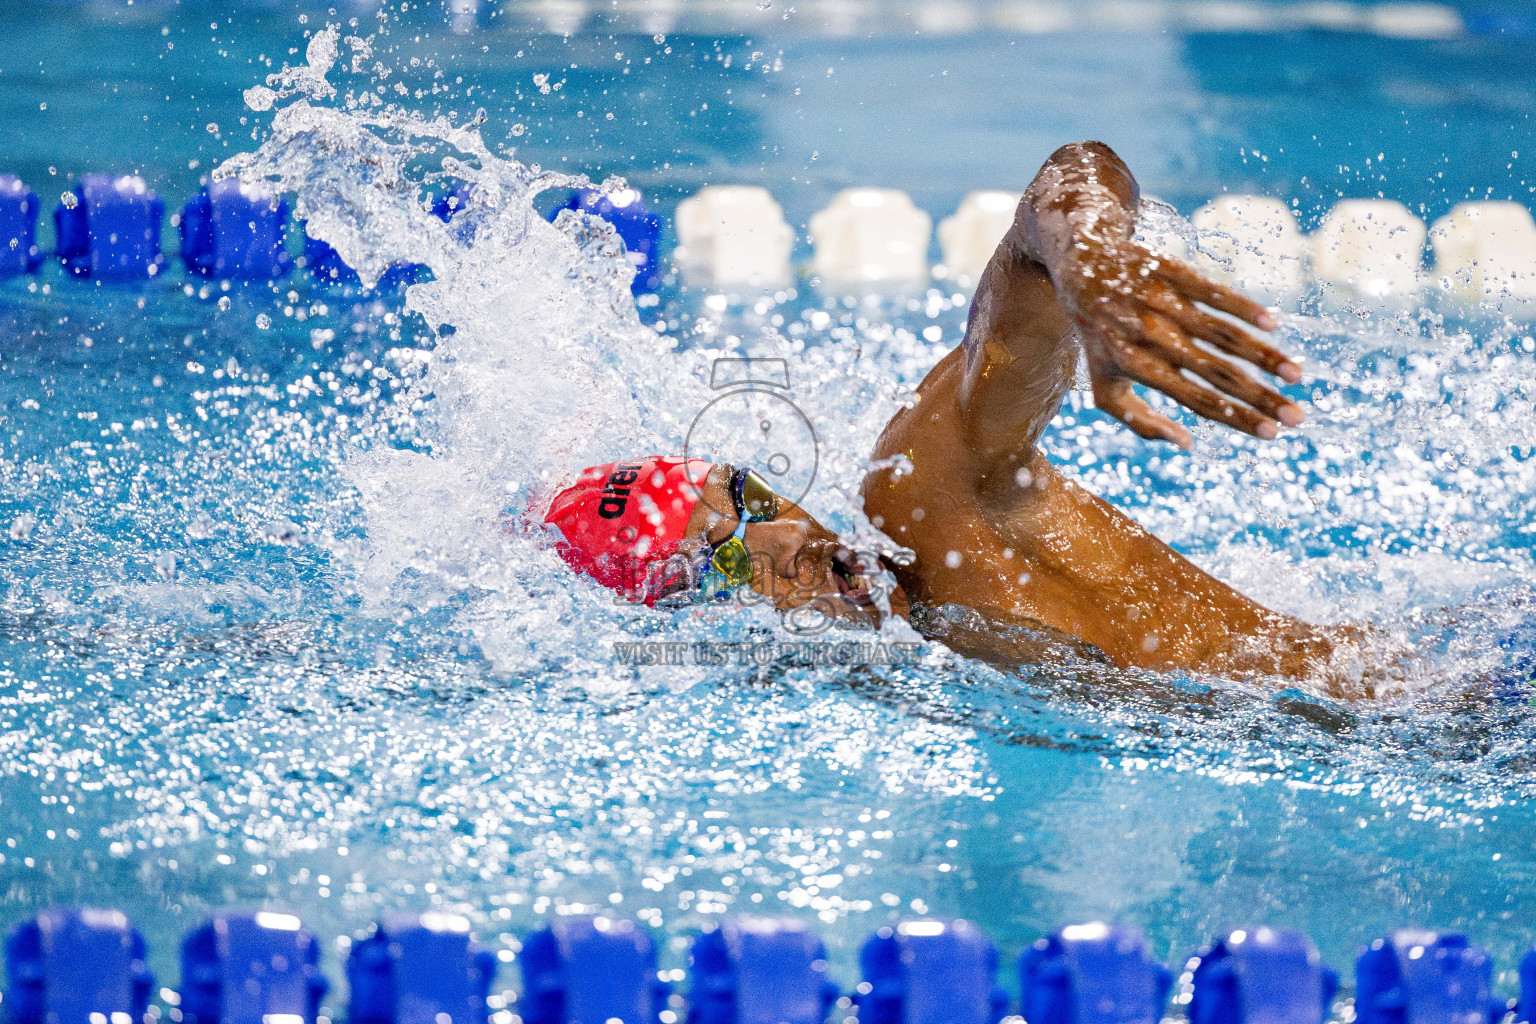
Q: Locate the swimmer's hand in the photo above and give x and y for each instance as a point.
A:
(1139, 314)
(1140, 320)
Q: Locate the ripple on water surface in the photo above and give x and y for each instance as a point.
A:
(266, 636)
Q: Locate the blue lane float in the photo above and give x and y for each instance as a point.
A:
(420, 969)
(74, 966)
(234, 230)
(1261, 976)
(633, 222)
(1525, 1009)
(591, 970)
(109, 228)
(69, 966)
(453, 198)
(261, 968)
(1092, 974)
(930, 972)
(1425, 977)
(759, 970)
(326, 263)
(19, 253)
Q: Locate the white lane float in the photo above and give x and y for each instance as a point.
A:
(1252, 243)
(1486, 252)
(871, 236)
(734, 235)
(969, 236)
(1372, 248)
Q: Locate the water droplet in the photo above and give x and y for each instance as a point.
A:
(21, 526)
(213, 128)
(259, 97)
(263, 321)
(201, 527)
(282, 531)
(165, 565)
(223, 303)
(69, 200)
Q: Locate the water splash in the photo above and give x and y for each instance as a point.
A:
(359, 685)
(539, 366)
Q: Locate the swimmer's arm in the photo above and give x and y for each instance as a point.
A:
(1068, 273)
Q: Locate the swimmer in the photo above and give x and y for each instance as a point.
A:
(994, 527)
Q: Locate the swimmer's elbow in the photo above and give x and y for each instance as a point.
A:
(1083, 168)
(1089, 149)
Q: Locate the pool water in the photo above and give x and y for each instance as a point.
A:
(267, 637)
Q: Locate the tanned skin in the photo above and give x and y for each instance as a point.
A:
(795, 560)
(995, 529)
(994, 526)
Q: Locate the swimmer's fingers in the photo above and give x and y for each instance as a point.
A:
(1199, 288)
(1197, 398)
(1165, 337)
(1226, 336)
(1114, 394)
(1139, 362)
(1173, 345)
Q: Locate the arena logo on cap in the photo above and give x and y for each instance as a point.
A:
(616, 490)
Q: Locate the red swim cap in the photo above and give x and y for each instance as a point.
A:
(622, 522)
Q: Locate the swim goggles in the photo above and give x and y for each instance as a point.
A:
(729, 567)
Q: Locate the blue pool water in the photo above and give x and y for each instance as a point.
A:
(263, 639)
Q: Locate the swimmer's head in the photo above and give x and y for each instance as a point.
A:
(622, 523)
(647, 528)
